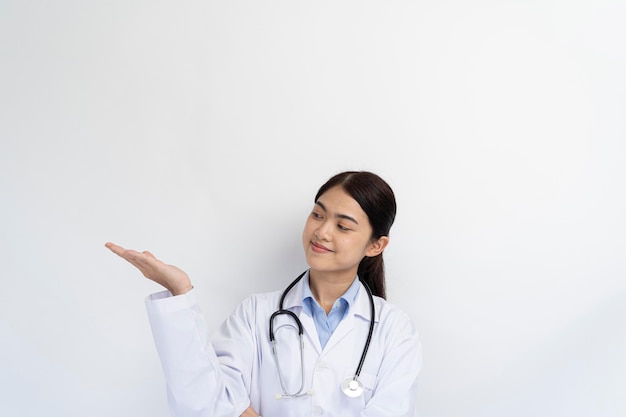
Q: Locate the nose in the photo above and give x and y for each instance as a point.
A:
(323, 231)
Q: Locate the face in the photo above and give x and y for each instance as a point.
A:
(337, 235)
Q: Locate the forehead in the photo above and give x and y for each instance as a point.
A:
(338, 201)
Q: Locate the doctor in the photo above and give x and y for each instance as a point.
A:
(331, 350)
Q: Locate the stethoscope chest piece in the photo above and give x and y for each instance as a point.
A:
(352, 387)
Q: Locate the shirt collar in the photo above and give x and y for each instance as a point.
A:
(349, 296)
(360, 302)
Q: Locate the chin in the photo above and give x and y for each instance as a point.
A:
(318, 265)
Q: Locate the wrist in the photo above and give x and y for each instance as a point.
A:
(181, 289)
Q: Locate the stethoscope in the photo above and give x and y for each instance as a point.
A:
(351, 386)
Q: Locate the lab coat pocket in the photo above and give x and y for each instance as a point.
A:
(368, 381)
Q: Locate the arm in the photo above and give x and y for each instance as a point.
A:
(396, 388)
(197, 385)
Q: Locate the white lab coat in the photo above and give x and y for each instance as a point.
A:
(221, 375)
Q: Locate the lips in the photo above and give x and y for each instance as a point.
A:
(319, 248)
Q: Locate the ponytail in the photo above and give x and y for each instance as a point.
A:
(372, 272)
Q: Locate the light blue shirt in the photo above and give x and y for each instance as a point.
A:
(326, 324)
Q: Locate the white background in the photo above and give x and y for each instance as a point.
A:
(201, 130)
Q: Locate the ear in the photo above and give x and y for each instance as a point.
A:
(377, 246)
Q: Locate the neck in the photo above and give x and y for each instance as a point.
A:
(327, 288)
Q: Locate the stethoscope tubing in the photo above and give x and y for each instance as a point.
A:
(281, 310)
(369, 333)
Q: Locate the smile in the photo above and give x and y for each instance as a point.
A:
(319, 248)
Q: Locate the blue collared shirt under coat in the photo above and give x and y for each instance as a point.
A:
(326, 324)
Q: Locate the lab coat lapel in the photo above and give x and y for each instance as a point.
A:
(359, 311)
(293, 302)
(345, 327)
(310, 331)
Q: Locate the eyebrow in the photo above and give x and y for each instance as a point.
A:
(339, 216)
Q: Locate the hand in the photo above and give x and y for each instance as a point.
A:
(169, 276)
(249, 412)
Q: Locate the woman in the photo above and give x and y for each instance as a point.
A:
(358, 355)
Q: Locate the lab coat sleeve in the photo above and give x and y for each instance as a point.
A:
(197, 384)
(395, 392)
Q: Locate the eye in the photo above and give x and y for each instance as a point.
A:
(316, 215)
(342, 227)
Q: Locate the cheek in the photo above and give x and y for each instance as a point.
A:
(350, 244)
(307, 228)
(358, 246)
(306, 232)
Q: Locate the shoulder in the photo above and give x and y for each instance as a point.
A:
(262, 298)
(389, 311)
(393, 321)
(250, 314)
(259, 303)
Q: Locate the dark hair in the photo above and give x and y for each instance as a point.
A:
(377, 200)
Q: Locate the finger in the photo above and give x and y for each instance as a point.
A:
(116, 249)
(130, 255)
(137, 258)
(149, 254)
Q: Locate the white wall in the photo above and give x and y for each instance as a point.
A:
(201, 131)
